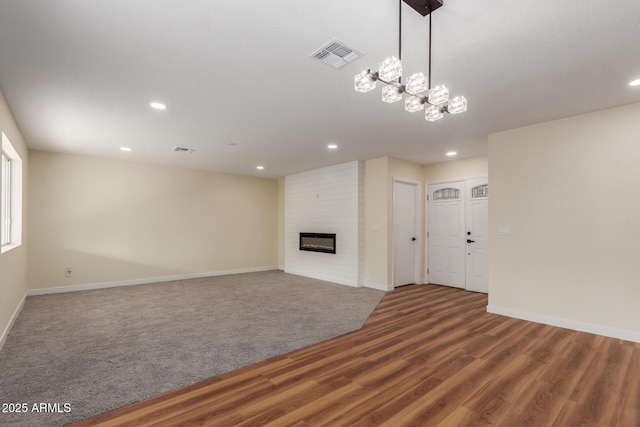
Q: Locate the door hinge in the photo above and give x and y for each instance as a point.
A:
(427, 271)
(427, 197)
(427, 234)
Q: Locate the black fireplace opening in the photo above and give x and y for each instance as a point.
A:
(318, 242)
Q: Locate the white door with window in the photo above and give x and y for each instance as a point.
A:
(446, 234)
(457, 234)
(405, 233)
(477, 201)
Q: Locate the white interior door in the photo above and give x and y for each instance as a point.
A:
(477, 235)
(447, 240)
(405, 233)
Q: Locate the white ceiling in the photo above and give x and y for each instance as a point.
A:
(79, 76)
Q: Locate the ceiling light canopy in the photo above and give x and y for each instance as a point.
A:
(424, 7)
(260, 167)
(452, 153)
(127, 149)
(435, 101)
(332, 146)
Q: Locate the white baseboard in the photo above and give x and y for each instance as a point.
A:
(378, 286)
(607, 331)
(12, 320)
(326, 278)
(103, 285)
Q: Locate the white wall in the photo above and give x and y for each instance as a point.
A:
(13, 263)
(569, 190)
(327, 200)
(118, 221)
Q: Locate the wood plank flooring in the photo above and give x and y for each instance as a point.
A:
(427, 356)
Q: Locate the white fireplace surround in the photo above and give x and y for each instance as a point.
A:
(328, 200)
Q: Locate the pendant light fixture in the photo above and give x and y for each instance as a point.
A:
(420, 95)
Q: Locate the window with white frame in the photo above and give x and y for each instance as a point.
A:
(10, 197)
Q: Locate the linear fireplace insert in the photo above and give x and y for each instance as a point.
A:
(318, 242)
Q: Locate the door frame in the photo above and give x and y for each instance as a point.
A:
(418, 229)
(426, 215)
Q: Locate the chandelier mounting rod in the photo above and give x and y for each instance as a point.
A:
(400, 34)
(429, 49)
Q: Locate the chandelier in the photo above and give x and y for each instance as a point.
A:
(420, 95)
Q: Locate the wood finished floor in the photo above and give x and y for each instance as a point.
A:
(427, 356)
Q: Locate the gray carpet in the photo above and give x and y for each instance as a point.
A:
(103, 349)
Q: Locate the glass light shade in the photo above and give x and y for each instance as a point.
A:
(457, 105)
(391, 94)
(438, 95)
(390, 69)
(416, 83)
(413, 104)
(363, 82)
(433, 113)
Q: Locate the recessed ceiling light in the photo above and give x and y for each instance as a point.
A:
(260, 167)
(158, 105)
(125, 149)
(452, 153)
(332, 146)
(636, 82)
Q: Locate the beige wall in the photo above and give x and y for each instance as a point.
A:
(13, 264)
(456, 169)
(281, 223)
(378, 206)
(376, 221)
(568, 191)
(116, 221)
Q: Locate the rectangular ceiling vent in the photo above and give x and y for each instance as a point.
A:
(335, 54)
(183, 150)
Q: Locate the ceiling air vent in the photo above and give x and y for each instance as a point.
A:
(183, 150)
(336, 54)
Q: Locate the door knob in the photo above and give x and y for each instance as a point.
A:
(470, 241)
(413, 239)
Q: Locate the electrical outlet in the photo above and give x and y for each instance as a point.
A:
(69, 272)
